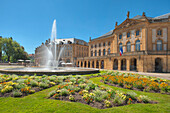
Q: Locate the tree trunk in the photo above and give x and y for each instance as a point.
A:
(8, 58)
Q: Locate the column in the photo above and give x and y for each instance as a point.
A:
(119, 64)
(128, 64)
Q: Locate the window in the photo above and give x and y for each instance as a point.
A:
(128, 34)
(159, 45)
(95, 52)
(120, 46)
(91, 53)
(104, 44)
(99, 52)
(159, 32)
(120, 36)
(128, 47)
(108, 51)
(137, 45)
(99, 45)
(91, 46)
(104, 51)
(95, 46)
(109, 43)
(137, 33)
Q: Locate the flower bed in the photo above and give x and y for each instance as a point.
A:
(137, 82)
(79, 89)
(19, 86)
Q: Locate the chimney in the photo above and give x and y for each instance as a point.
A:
(115, 24)
(128, 13)
(143, 14)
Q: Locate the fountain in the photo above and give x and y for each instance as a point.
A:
(52, 53)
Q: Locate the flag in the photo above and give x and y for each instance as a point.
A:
(121, 51)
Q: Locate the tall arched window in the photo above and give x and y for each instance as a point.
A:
(95, 52)
(137, 32)
(120, 46)
(104, 51)
(128, 46)
(128, 34)
(109, 43)
(108, 52)
(99, 52)
(91, 53)
(159, 45)
(137, 45)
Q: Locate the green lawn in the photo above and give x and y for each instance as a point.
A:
(38, 103)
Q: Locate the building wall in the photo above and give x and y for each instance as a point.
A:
(148, 59)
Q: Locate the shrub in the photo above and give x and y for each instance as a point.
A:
(100, 95)
(107, 103)
(164, 86)
(154, 86)
(52, 78)
(71, 98)
(118, 100)
(77, 89)
(33, 83)
(17, 93)
(43, 85)
(143, 98)
(64, 92)
(51, 93)
(52, 83)
(20, 86)
(32, 91)
(7, 89)
(132, 95)
(25, 90)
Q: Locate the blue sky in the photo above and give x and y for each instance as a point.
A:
(29, 22)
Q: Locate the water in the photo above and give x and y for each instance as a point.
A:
(54, 51)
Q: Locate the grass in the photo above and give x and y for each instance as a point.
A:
(38, 103)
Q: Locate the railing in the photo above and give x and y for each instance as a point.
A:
(129, 54)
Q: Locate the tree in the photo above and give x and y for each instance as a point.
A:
(13, 50)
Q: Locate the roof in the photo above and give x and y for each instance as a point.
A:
(163, 16)
(141, 17)
(105, 35)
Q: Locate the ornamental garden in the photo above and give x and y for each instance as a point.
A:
(104, 90)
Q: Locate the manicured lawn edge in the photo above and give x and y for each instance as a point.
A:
(39, 103)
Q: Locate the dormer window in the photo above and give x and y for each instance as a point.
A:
(137, 33)
(128, 34)
(120, 36)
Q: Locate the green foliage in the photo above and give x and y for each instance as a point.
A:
(43, 85)
(34, 83)
(17, 93)
(7, 89)
(132, 95)
(12, 51)
(64, 92)
(144, 98)
(51, 93)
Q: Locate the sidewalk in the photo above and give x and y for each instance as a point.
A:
(161, 75)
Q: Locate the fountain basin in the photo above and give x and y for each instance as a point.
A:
(49, 71)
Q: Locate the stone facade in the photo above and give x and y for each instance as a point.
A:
(73, 48)
(145, 42)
